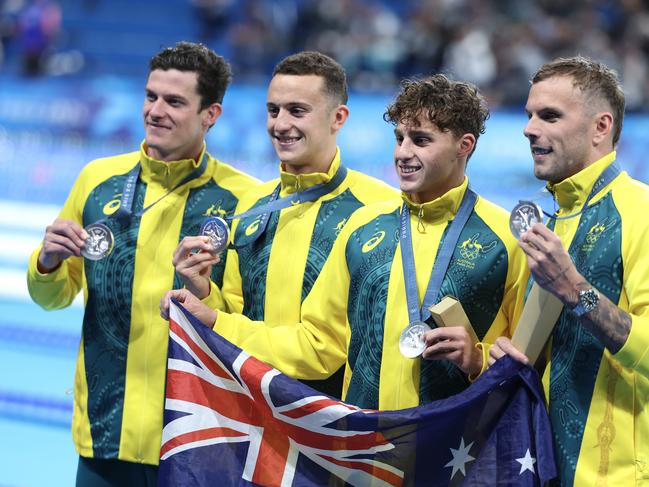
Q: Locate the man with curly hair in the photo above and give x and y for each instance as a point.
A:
(368, 298)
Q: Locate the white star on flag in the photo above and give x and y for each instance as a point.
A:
(527, 462)
(460, 458)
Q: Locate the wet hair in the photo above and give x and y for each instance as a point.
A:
(594, 79)
(450, 105)
(315, 63)
(214, 73)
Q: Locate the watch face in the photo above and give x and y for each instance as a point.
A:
(588, 300)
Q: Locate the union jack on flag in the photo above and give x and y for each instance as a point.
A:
(231, 419)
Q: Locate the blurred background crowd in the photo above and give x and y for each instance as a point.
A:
(496, 44)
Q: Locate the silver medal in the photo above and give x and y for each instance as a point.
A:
(99, 243)
(523, 217)
(217, 229)
(411, 341)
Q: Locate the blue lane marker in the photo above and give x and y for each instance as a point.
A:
(36, 409)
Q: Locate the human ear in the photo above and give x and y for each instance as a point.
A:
(603, 127)
(212, 113)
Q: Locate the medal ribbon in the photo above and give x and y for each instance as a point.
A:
(604, 179)
(443, 259)
(125, 210)
(275, 204)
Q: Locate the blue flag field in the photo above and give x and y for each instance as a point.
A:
(231, 419)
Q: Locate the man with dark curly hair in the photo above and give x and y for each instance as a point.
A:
(114, 238)
(393, 259)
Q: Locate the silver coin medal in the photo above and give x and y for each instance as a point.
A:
(524, 216)
(99, 243)
(411, 341)
(219, 232)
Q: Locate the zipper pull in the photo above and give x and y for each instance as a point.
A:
(421, 228)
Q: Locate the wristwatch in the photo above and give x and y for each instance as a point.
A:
(588, 301)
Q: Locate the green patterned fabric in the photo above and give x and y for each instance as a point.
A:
(107, 318)
(576, 353)
(476, 276)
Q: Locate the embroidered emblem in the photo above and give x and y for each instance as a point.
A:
(595, 232)
(253, 227)
(113, 205)
(471, 249)
(215, 211)
(340, 226)
(376, 239)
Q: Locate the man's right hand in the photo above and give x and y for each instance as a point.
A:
(63, 239)
(202, 312)
(193, 260)
(504, 346)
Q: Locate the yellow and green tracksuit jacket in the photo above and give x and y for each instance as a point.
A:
(598, 401)
(120, 373)
(357, 307)
(269, 279)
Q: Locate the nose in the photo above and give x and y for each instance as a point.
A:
(281, 122)
(531, 130)
(403, 151)
(156, 108)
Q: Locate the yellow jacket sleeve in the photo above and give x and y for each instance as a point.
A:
(57, 289)
(316, 347)
(634, 298)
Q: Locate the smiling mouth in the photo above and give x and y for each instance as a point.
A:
(156, 125)
(287, 140)
(540, 151)
(408, 169)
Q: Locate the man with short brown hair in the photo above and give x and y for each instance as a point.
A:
(592, 256)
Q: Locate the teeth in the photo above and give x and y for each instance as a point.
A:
(540, 151)
(408, 170)
(288, 140)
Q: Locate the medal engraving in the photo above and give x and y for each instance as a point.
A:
(99, 243)
(411, 341)
(523, 217)
(217, 229)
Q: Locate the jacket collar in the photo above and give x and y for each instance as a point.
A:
(291, 183)
(571, 193)
(443, 208)
(167, 174)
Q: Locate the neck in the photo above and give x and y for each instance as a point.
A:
(321, 165)
(308, 168)
(154, 153)
(421, 197)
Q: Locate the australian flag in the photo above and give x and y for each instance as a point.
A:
(231, 419)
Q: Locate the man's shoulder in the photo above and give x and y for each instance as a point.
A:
(370, 212)
(226, 174)
(103, 168)
(496, 218)
(631, 198)
(370, 189)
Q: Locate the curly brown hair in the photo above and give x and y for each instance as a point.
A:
(593, 79)
(450, 105)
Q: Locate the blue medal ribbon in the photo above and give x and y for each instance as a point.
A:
(275, 204)
(125, 209)
(604, 179)
(442, 260)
